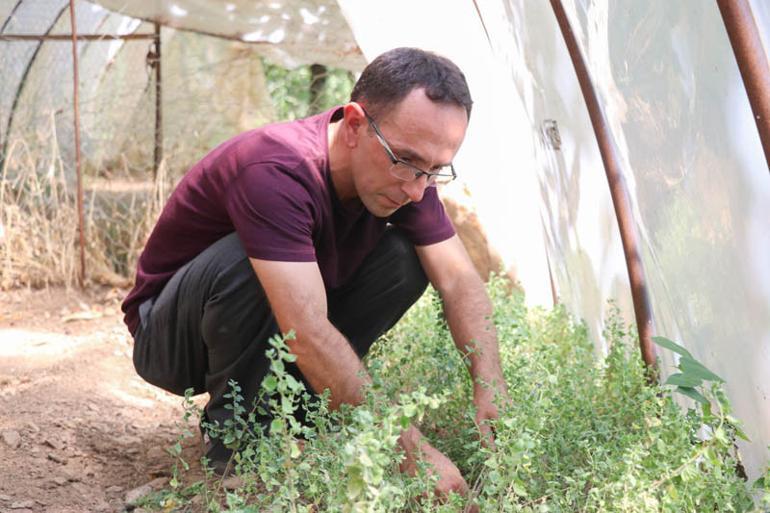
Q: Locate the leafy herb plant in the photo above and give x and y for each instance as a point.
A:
(581, 433)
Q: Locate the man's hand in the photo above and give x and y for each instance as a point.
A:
(485, 399)
(417, 449)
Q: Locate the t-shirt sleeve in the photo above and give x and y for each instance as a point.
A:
(425, 222)
(272, 213)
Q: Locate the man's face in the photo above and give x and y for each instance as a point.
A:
(418, 131)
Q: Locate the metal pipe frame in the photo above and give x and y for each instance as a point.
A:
(618, 191)
(69, 37)
(158, 150)
(752, 62)
(78, 170)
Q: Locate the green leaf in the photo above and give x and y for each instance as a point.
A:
(295, 451)
(683, 380)
(276, 426)
(692, 394)
(692, 367)
(671, 345)
(287, 405)
(269, 383)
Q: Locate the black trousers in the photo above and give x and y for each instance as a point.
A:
(211, 322)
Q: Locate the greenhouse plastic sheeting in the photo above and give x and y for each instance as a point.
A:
(495, 162)
(212, 88)
(296, 31)
(679, 117)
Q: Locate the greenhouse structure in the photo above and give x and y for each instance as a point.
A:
(617, 157)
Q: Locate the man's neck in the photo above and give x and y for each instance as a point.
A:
(339, 163)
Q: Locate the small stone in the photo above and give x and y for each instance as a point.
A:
(23, 504)
(5, 498)
(156, 453)
(33, 427)
(158, 483)
(114, 489)
(59, 480)
(129, 440)
(72, 471)
(12, 439)
(57, 459)
(54, 444)
(135, 495)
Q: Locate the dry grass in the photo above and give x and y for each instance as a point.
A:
(39, 239)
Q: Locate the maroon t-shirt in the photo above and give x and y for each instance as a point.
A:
(272, 185)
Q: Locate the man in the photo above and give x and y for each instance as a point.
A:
(327, 226)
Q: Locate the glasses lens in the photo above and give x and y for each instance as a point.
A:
(402, 172)
(406, 173)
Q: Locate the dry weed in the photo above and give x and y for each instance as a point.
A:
(39, 219)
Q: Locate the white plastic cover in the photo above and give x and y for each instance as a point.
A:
(294, 31)
(680, 120)
(673, 96)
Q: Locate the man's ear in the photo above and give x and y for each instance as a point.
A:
(354, 123)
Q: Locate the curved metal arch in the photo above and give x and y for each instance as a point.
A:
(618, 191)
(20, 88)
(752, 62)
(10, 16)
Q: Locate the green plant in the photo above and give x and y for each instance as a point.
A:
(580, 434)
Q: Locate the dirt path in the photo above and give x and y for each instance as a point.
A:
(78, 428)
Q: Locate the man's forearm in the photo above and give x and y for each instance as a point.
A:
(469, 314)
(327, 361)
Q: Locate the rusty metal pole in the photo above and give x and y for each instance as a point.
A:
(618, 191)
(554, 294)
(76, 102)
(752, 62)
(158, 152)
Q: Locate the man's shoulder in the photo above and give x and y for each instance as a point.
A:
(287, 143)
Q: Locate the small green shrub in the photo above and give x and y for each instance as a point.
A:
(580, 434)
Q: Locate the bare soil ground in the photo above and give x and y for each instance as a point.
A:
(79, 429)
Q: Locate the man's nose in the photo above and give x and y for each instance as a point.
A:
(415, 189)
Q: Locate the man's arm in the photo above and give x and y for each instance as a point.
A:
(469, 314)
(297, 297)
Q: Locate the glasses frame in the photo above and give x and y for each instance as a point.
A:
(394, 160)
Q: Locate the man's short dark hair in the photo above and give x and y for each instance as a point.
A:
(390, 77)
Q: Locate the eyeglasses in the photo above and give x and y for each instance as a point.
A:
(407, 172)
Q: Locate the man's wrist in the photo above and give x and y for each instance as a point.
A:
(410, 439)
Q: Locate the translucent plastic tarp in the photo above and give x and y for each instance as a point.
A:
(495, 163)
(295, 31)
(212, 88)
(680, 120)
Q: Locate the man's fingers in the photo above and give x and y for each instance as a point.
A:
(487, 435)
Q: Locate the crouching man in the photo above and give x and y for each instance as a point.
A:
(329, 226)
